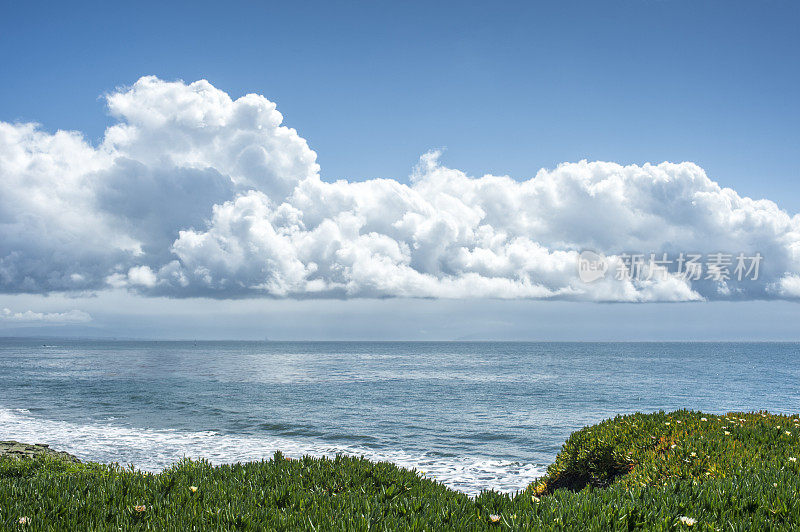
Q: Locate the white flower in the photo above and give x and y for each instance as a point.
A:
(792, 459)
(703, 419)
(494, 518)
(688, 521)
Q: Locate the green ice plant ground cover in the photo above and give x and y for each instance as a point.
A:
(662, 471)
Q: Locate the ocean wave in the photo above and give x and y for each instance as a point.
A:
(152, 450)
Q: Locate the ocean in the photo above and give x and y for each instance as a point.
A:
(472, 415)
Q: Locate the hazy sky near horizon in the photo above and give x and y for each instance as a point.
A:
(396, 170)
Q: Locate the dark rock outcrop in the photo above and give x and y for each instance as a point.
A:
(17, 450)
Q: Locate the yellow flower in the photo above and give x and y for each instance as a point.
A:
(703, 419)
(140, 508)
(494, 518)
(534, 498)
(792, 459)
(688, 521)
(666, 423)
(787, 433)
(693, 454)
(727, 433)
(193, 489)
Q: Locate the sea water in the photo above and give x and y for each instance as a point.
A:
(474, 416)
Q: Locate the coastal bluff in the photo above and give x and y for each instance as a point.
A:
(16, 450)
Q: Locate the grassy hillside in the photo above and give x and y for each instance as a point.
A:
(654, 471)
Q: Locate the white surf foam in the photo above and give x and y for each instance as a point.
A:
(152, 450)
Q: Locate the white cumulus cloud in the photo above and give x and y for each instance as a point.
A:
(193, 193)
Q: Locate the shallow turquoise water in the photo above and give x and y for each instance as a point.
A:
(473, 415)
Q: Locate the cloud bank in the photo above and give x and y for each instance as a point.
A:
(71, 316)
(192, 193)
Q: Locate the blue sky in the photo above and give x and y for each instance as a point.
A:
(506, 88)
(503, 89)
